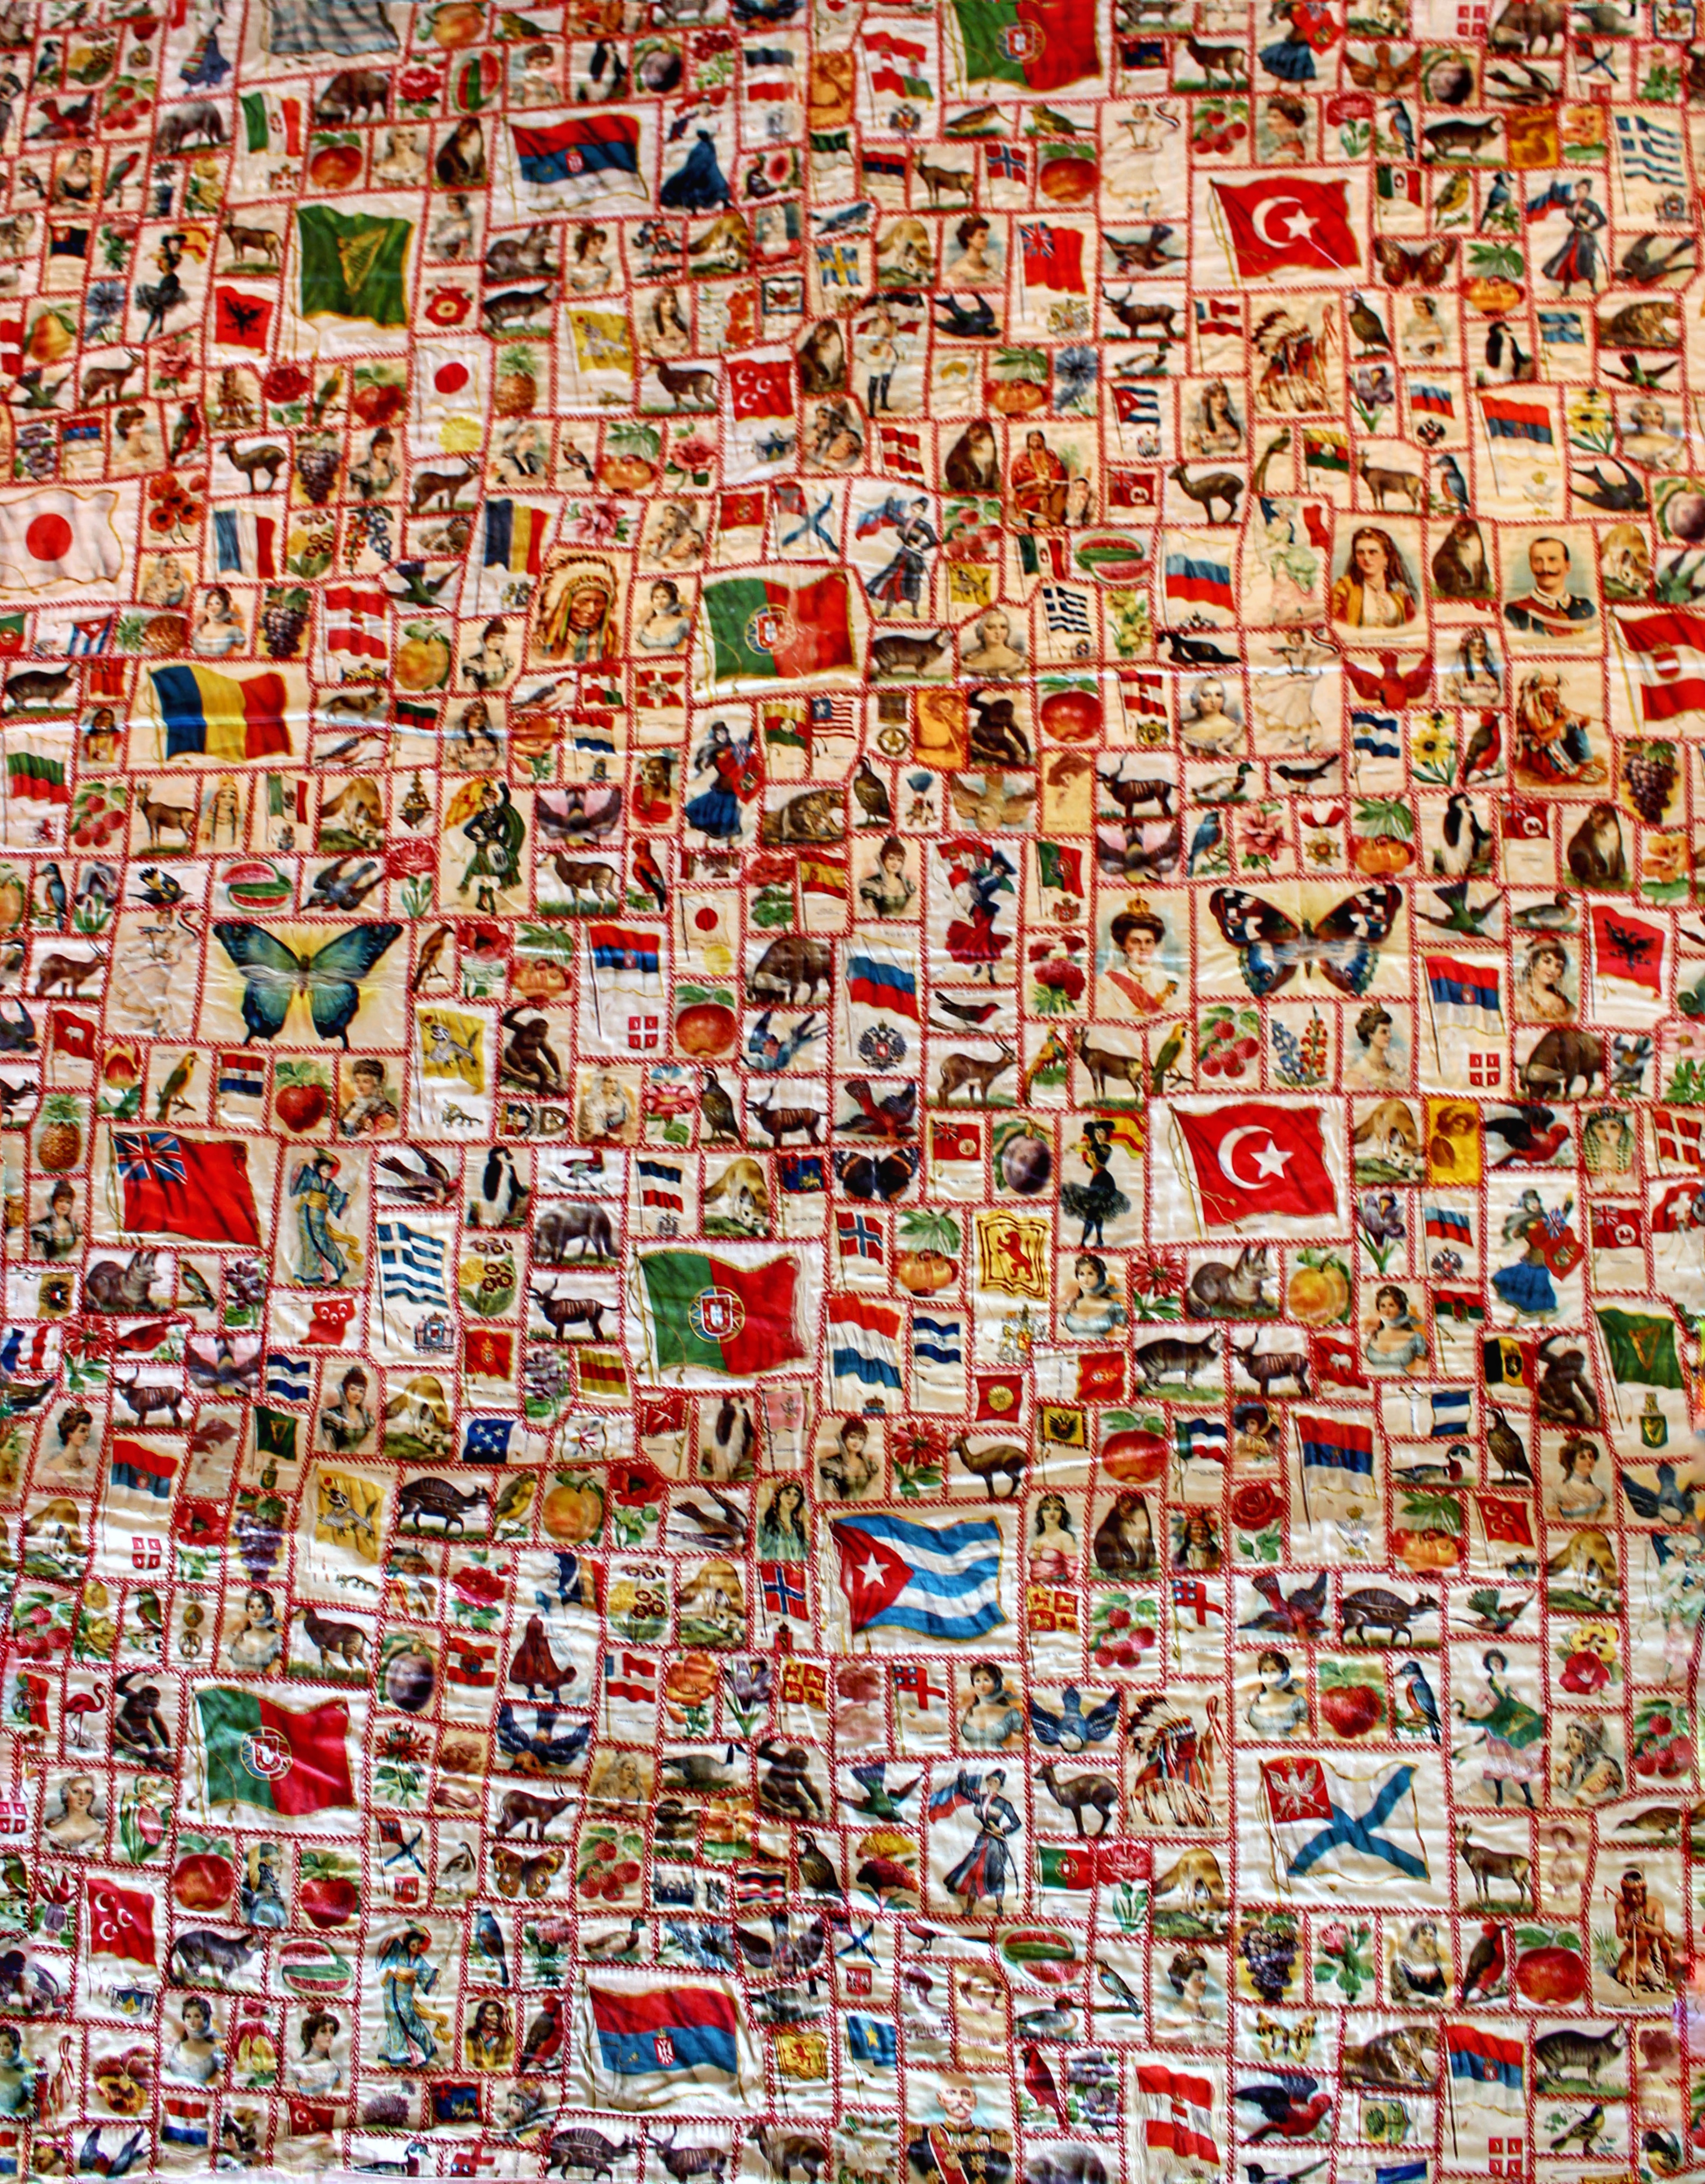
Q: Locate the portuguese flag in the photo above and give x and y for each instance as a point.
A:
(1040, 45)
(762, 628)
(281, 1759)
(724, 1319)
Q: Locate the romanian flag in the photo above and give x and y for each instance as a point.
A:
(514, 537)
(207, 714)
(287, 1760)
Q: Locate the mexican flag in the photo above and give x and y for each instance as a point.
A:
(353, 266)
(720, 1317)
(1040, 45)
(1641, 1346)
(288, 1760)
(761, 627)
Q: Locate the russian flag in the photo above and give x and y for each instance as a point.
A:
(877, 979)
(674, 2028)
(604, 143)
(1465, 993)
(1447, 1223)
(1336, 1445)
(1205, 583)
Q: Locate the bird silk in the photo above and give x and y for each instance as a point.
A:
(852, 1090)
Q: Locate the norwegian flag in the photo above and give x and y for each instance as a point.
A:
(861, 1236)
(1005, 163)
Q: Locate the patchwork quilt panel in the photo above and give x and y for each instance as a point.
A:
(852, 1032)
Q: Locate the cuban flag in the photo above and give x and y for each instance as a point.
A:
(881, 978)
(1336, 1445)
(1341, 1827)
(941, 1580)
(864, 1342)
(1465, 993)
(679, 2032)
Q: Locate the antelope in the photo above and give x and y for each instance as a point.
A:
(957, 1069)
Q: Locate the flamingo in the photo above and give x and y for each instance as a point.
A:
(78, 1708)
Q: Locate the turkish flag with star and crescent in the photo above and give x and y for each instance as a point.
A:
(1255, 1160)
(1284, 220)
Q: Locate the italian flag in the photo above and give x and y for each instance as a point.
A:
(722, 1318)
(762, 628)
(288, 1760)
(1666, 656)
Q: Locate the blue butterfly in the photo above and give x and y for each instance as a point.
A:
(1272, 947)
(274, 975)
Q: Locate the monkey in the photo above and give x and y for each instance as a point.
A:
(1566, 1395)
(996, 738)
(1597, 854)
(972, 463)
(528, 1054)
(787, 1788)
(137, 1728)
(1124, 1542)
(822, 359)
(1459, 566)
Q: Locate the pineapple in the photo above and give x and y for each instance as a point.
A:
(60, 1143)
(516, 390)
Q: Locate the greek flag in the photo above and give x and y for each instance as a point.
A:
(411, 1265)
(1650, 150)
(1068, 612)
(288, 1380)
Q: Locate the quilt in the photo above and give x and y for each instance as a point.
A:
(852, 1031)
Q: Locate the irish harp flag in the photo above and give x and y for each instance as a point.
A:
(1665, 657)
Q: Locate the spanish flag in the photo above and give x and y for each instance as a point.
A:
(207, 714)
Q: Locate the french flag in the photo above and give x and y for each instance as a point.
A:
(1465, 993)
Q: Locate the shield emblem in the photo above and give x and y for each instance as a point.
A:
(1562, 1253)
(716, 1315)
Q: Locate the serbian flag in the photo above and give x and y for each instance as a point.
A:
(1465, 993)
(1484, 2058)
(1336, 1445)
(1509, 420)
(1627, 947)
(1665, 654)
(1053, 257)
(670, 2029)
(1254, 1159)
(1284, 220)
(288, 1760)
(604, 144)
(172, 1187)
(779, 631)
(221, 717)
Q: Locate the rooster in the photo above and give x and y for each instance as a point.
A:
(892, 1116)
(1301, 1614)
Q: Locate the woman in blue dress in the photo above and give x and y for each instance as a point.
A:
(403, 1973)
(716, 810)
(980, 1876)
(1527, 1287)
(319, 1201)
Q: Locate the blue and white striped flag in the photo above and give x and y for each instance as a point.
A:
(411, 1265)
(288, 1380)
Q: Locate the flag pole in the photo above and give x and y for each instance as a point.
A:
(1450, 2096)
(1432, 1020)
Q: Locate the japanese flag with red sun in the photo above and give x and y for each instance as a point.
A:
(1256, 1160)
(52, 540)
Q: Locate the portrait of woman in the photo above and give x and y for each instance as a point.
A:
(666, 625)
(1097, 1307)
(316, 2070)
(1278, 1708)
(218, 628)
(889, 890)
(348, 1424)
(1542, 993)
(1579, 1496)
(77, 1826)
(1216, 428)
(1475, 680)
(782, 1533)
(975, 258)
(1054, 1544)
(1379, 1063)
(1376, 590)
(195, 2058)
(1213, 727)
(1396, 1342)
(253, 1641)
(487, 2043)
(1134, 971)
(993, 1716)
(991, 650)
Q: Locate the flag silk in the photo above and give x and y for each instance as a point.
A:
(669, 2029)
(1327, 1822)
(1665, 654)
(1628, 948)
(941, 1580)
(779, 631)
(602, 144)
(121, 1922)
(1253, 1160)
(353, 266)
(173, 1188)
(719, 1317)
(288, 1760)
(1038, 45)
(1642, 1345)
(53, 540)
(1285, 222)
(225, 718)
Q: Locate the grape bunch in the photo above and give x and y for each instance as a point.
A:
(1224, 1053)
(283, 618)
(1649, 770)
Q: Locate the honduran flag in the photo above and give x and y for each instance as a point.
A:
(514, 537)
(668, 2029)
(1336, 1445)
(1452, 1413)
(1506, 419)
(878, 978)
(602, 144)
(207, 714)
(1465, 993)
(1201, 582)
(1483, 2057)
(1665, 654)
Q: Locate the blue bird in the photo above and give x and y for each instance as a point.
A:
(1498, 198)
(53, 887)
(1402, 128)
(1071, 1728)
(489, 1943)
(836, 223)
(1419, 1693)
(1451, 478)
(1208, 836)
(1681, 1502)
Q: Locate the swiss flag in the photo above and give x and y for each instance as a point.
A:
(121, 1923)
(1286, 221)
(1255, 1160)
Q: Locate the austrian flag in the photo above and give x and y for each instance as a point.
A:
(1665, 658)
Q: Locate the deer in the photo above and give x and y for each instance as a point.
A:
(776, 1121)
(935, 180)
(1380, 482)
(106, 382)
(438, 485)
(1102, 1063)
(1005, 1457)
(1077, 1790)
(269, 458)
(1134, 317)
(1217, 485)
(1140, 788)
(1217, 60)
(688, 386)
(957, 1069)
(159, 818)
(1489, 1865)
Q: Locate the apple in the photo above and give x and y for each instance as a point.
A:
(335, 167)
(329, 1900)
(1072, 716)
(1552, 1975)
(301, 1106)
(706, 1028)
(204, 1881)
(1351, 1709)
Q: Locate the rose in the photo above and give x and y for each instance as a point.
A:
(1335, 1940)
(1254, 1506)
(1584, 1672)
(284, 382)
(1348, 106)
(417, 85)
